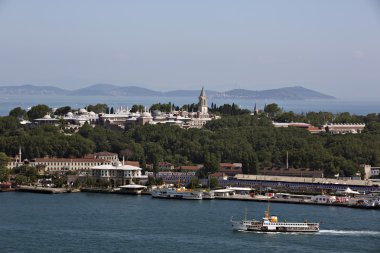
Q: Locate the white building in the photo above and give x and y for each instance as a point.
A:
(344, 128)
(323, 199)
(118, 118)
(117, 173)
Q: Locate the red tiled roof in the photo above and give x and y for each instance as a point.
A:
(191, 167)
(226, 165)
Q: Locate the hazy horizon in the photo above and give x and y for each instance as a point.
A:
(331, 47)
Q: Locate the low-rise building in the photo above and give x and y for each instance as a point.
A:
(323, 199)
(105, 155)
(370, 171)
(46, 120)
(219, 176)
(165, 166)
(290, 172)
(375, 171)
(67, 164)
(230, 169)
(345, 128)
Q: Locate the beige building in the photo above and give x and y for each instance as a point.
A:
(67, 164)
(52, 164)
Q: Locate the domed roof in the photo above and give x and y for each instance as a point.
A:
(157, 113)
(69, 114)
(92, 113)
(146, 114)
(82, 110)
(47, 116)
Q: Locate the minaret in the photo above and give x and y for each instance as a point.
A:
(255, 110)
(287, 160)
(19, 154)
(202, 105)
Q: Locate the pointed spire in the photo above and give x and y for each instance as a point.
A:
(255, 110)
(203, 93)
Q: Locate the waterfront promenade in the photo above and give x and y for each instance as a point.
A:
(289, 199)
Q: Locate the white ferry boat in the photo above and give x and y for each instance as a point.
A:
(176, 193)
(271, 224)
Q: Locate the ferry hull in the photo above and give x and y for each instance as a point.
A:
(263, 227)
(283, 230)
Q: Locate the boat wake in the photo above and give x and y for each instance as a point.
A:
(351, 232)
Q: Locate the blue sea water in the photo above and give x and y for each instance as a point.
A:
(88, 222)
(354, 106)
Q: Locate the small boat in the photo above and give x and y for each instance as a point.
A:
(132, 188)
(176, 193)
(271, 224)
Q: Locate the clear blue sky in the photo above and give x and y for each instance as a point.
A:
(332, 46)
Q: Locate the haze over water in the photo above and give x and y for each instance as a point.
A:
(353, 106)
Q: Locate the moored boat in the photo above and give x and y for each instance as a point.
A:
(134, 189)
(176, 193)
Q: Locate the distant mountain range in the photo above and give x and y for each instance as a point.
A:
(287, 93)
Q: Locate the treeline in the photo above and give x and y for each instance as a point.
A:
(245, 138)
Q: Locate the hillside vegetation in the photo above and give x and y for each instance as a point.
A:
(240, 137)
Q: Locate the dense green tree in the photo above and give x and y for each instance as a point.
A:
(38, 111)
(85, 130)
(213, 183)
(272, 110)
(137, 108)
(4, 159)
(162, 107)
(27, 174)
(98, 108)
(4, 174)
(194, 183)
(9, 126)
(62, 111)
(18, 113)
(228, 109)
(59, 181)
(211, 163)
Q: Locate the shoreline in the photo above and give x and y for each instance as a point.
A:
(44, 190)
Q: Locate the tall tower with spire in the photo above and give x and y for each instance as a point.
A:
(202, 105)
